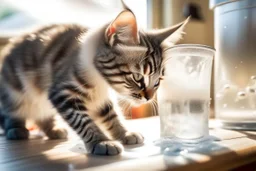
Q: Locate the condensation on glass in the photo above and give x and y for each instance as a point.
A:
(235, 63)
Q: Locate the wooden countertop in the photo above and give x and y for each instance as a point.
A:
(231, 149)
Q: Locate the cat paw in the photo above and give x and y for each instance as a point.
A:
(17, 134)
(108, 148)
(132, 138)
(57, 133)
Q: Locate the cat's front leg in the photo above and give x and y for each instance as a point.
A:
(74, 111)
(116, 128)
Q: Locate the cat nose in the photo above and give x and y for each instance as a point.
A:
(149, 93)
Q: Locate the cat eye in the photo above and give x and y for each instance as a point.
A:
(157, 83)
(137, 77)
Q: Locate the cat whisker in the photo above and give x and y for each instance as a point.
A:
(153, 105)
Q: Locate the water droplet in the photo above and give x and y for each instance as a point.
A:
(219, 96)
(245, 17)
(250, 90)
(253, 77)
(225, 105)
(226, 86)
(241, 95)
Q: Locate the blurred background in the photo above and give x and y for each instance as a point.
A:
(20, 16)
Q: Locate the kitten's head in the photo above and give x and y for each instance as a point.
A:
(133, 63)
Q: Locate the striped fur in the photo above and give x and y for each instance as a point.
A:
(79, 74)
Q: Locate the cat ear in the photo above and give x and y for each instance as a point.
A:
(123, 29)
(125, 7)
(170, 36)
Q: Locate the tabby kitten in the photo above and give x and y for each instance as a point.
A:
(77, 73)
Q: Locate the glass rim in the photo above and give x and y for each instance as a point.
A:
(198, 46)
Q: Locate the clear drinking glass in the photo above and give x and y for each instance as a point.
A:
(184, 94)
